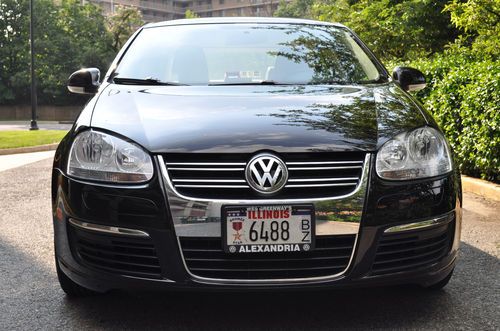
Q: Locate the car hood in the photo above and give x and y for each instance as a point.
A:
(250, 118)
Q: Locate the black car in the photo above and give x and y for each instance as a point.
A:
(252, 153)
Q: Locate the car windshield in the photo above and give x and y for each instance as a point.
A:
(234, 54)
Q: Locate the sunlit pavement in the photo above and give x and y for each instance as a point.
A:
(16, 160)
(30, 297)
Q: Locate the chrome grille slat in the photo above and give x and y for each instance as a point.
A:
(206, 163)
(321, 179)
(325, 162)
(325, 168)
(209, 180)
(222, 176)
(214, 186)
(207, 169)
(322, 185)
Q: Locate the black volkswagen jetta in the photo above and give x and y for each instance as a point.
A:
(252, 153)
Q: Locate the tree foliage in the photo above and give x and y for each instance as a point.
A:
(191, 14)
(14, 47)
(392, 28)
(122, 24)
(295, 9)
(480, 22)
(79, 37)
(464, 87)
(68, 36)
(455, 43)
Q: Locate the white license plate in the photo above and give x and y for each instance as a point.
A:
(268, 229)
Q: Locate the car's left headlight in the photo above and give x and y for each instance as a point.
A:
(420, 153)
(102, 157)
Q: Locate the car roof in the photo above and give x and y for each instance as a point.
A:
(233, 20)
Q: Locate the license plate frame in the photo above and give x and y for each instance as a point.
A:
(295, 210)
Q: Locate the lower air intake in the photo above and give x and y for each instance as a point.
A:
(115, 254)
(412, 250)
(205, 257)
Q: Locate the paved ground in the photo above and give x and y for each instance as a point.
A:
(16, 160)
(25, 125)
(30, 297)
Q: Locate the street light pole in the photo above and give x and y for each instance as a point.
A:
(33, 125)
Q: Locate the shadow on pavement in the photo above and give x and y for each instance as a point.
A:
(470, 298)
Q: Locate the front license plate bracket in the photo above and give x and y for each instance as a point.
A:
(268, 228)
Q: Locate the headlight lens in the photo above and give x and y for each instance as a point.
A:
(418, 154)
(99, 156)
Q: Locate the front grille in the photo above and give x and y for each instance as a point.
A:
(222, 176)
(205, 257)
(411, 250)
(121, 255)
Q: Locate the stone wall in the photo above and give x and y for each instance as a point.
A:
(44, 113)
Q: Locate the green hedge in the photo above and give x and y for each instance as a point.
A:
(463, 94)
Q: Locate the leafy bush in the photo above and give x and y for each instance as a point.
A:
(455, 43)
(463, 90)
(463, 94)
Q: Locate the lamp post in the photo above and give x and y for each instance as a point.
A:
(33, 125)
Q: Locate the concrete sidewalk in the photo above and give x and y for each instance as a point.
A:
(17, 160)
(25, 125)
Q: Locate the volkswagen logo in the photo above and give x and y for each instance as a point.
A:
(266, 173)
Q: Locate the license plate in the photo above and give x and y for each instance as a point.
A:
(267, 229)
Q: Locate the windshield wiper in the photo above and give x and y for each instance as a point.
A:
(145, 81)
(264, 82)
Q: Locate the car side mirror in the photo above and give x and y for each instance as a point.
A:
(84, 81)
(409, 79)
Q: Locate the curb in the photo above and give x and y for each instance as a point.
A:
(481, 187)
(31, 149)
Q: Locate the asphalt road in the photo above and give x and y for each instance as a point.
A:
(30, 297)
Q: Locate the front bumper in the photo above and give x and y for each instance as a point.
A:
(100, 280)
(145, 208)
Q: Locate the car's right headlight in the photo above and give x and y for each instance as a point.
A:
(420, 153)
(100, 156)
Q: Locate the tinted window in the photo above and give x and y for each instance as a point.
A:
(248, 53)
